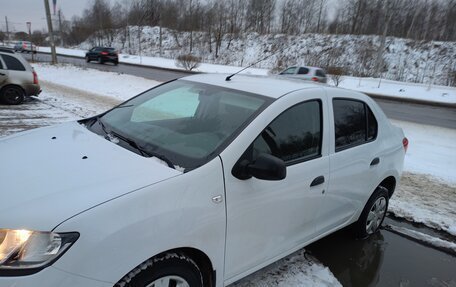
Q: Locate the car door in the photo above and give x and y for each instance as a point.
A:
(93, 53)
(269, 219)
(355, 161)
(3, 72)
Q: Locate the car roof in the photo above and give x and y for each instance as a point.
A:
(270, 86)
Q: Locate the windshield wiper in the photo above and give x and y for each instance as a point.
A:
(103, 127)
(133, 144)
(142, 151)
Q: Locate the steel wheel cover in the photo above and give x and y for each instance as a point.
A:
(12, 94)
(169, 281)
(375, 216)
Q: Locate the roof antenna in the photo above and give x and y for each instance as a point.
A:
(230, 76)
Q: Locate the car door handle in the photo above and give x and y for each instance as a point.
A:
(317, 181)
(375, 161)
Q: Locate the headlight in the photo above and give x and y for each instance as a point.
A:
(25, 252)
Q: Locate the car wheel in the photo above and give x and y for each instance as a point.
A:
(116, 63)
(170, 269)
(373, 213)
(87, 59)
(100, 61)
(12, 95)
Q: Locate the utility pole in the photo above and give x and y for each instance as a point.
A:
(60, 28)
(51, 32)
(29, 26)
(7, 31)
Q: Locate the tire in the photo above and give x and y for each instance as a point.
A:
(12, 95)
(177, 269)
(373, 213)
(116, 63)
(99, 60)
(87, 59)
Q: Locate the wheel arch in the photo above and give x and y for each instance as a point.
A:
(390, 184)
(199, 257)
(24, 93)
(11, 85)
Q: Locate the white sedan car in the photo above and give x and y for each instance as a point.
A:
(197, 182)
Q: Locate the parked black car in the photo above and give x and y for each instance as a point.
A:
(102, 55)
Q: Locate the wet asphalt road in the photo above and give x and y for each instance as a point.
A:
(411, 112)
(386, 259)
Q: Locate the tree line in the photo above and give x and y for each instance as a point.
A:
(422, 20)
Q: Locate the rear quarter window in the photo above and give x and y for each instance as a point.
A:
(320, 73)
(354, 123)
(13, 63)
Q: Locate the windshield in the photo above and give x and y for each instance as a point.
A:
(184, 122)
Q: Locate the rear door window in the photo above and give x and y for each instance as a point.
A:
(303, 71)
(320, 73)
(13, 63)
(1, 65)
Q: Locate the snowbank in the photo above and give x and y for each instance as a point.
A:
(434, 241)
(298, 270)
(431, 150)
(109, 84)
(388, 88)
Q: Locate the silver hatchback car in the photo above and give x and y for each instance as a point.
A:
(306, 73)
(17, 78)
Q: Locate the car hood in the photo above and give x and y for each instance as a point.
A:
(50, 174)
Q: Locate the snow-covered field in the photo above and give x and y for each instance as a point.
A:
(403, 59)
(427, 193)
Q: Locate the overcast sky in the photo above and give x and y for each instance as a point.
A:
(21, 11)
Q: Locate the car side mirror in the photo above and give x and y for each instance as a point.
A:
(266, 167)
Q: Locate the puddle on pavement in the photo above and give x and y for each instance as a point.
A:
(385, 259)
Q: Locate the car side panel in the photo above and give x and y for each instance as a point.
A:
(178, 212)
(352, 178)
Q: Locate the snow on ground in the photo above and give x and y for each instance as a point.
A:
(441, 94)
(431, 150)
(424, 199)
(298, 269)
(434, 241)
(108, 84)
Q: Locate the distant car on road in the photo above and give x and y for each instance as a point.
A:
(307, 73)
(102, 55)
(25, 46)
(17, 78)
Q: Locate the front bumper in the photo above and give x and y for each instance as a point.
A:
(52, 277)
